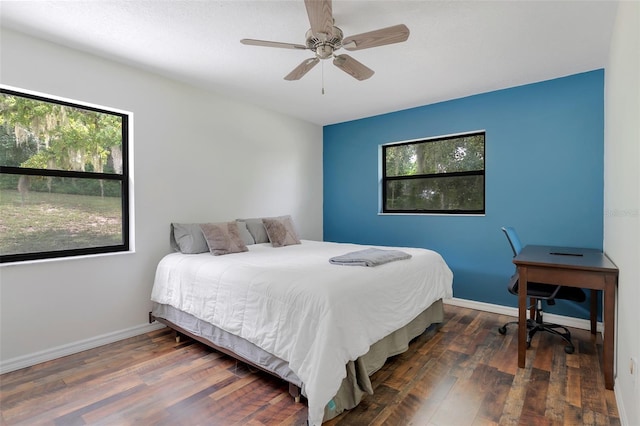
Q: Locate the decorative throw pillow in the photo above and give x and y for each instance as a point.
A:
(223, 238)
(246, 236)
(256, 228)
(187, 238)
(281, 231)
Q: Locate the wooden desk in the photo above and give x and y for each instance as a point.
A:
(587, 269)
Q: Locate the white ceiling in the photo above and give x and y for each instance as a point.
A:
(456, 48)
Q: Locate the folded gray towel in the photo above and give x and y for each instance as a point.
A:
(369, 257)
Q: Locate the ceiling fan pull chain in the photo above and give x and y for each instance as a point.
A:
(322, 77)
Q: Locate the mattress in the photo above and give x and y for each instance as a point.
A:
(293, 304)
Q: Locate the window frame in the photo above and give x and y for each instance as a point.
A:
(385, 179)
(124, 179)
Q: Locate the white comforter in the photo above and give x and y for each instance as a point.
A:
(293, 303)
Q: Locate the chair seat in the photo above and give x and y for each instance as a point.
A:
(537, 290)
(549, 291)
(571, 293)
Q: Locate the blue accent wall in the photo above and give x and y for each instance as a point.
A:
(544, 176)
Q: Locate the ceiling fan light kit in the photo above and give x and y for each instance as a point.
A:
(324, 39)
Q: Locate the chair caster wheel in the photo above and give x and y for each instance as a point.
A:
(502, 330)
(569, 349)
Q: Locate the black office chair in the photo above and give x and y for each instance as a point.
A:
(537, 292)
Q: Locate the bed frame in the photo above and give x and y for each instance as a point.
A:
(294, 390)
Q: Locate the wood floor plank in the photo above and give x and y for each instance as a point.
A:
(536, 394)
(590, 378)
(545, 345)
(75, 417)
(496, 387)
(462, 373)
(183, 388)
(276, 412)
(506, 357)
(515, 400)
(556, 395)
(572, 415)
(460, 406)
(612, 408)
(426, 407)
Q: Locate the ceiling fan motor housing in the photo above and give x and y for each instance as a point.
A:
(325, 44)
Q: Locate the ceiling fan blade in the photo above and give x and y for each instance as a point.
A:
(320, 16)
(299, 71)
(389, 35)
(352, 67)
(265, 43)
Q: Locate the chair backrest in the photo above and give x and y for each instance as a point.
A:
(514, 241)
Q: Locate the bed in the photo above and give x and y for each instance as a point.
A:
(322, 327)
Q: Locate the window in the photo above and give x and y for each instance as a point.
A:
(439, 175)
(64, 178)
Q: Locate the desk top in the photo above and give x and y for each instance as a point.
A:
(565, 257)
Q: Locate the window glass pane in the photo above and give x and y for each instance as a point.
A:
(464, 153)
(46, 135)
(400, 160)
(42, 213)
(436, 193)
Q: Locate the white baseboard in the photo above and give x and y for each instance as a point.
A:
(75, 347)
(513, 312)
(620, 403)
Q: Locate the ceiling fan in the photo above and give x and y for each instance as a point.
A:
(324, 39)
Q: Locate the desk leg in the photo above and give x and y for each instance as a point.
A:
(609, 327)
(594, 311)
(522, 316)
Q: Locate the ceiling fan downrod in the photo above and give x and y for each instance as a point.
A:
(323, 78)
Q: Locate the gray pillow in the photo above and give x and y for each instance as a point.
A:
(187, 238)
(223, 238)
(256, 228)
(281, 231)
(246, 236)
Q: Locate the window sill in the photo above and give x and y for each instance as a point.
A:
(63, 259)
(434, 214)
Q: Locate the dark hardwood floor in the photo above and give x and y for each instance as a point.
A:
(465, 373)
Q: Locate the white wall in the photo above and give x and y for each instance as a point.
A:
(622, 196)
(197, 157)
